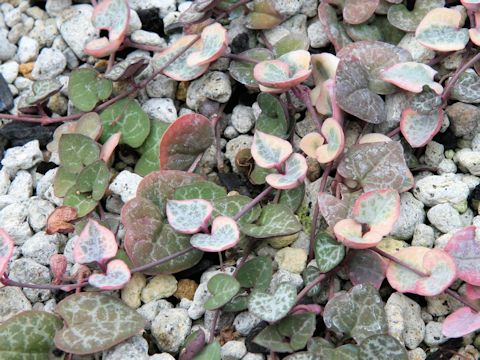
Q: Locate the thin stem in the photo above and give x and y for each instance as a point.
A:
(111, 61)
(8, 282)
(265, 41)
(214, 325)
(310, 286)
(194, 165)
(303, 93)
(400, 262)
(393, 132)
(129, 43)
(460, 71)
(252, 203)
(162, 261)
(462, 300)
(220, 258)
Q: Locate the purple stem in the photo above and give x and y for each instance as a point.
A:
(8, 282)
(460, 71)
(252, 203)
(303, 93)
(162, 261)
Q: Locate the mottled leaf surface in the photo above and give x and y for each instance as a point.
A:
(382, 347)
(272, 307)
(275, 220)
(328, 252)
(223, 288)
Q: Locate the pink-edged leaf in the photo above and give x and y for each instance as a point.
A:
(307, 308)
(474, 33)
(373, 138)
(114, 16)
(186, 138)
(117, 275)
(96, 243)
(6, 250)
(333, 133)
(419, 129)
(324, 67)
(332, 209)
(441, 30)
(108, 148)
(332, 26)
(465, 251)
(270, 151)
(285, 72)
(225, 234)
(359, 11)
(379, 209)
(349, 232)
(295, 171)
(367, 266)
(179, 70)
(461, 322)
(412, 76)
(473, 5)
(310, 143)
(189, 216)
(214, 42)
(472, 291)
(435, 262)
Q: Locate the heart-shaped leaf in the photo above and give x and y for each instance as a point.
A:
(29, 335)
(214, 43)
(117, 275)
(333, 28)
(189, 136)
(96, 243)
(83, 203)
(81, 313)
(200, 190)
(435, 262)
(149, 161)
(467, 88)
(328, 252)
(285, 72)
(223, 288)
(59, 220)
(189, 216)
(225, 234)
(366, 266)
(310, 143)
(127, 68)
(275, 220)
(441, 30)
(289, 334)
(359, 313)
(194, 343)
(125, 116)
(382, 159)
(242, 71)
(461, 322)
(179, 69)
(332, 131)
(77, 151)
(465, 251)
(231, 205)
(349, 232)
(210, 352)
(358, 80)
(295, 172)
(419, 129)
(412, 76)
(325, 350)
(86, 88)
(332, 209)
(95, 179)
(263, 16)
(426, 102)
(400, 17)
(256, 273)
(359, 11)
(42, 90)
(381, 347)
(6, 250)
(270, 151)
(291, 42)
(113, 16)
(237, 304)
(293, 198)
(272, 119)
(272, 307)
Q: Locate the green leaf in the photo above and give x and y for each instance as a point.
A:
(76, 151)
(63, 181)
(272, 119)
(328, 252)
(127, 117)
(223, 288)
(426, 102)
(95, 179)
(80, 201)
(85, 89)
(84, 333)
(149, 160)
(381, 347)
(322, 349)
(400, 17)
(467, 88)
(42, 90)
(258, 175)
(309, 274)
(291, 42)
(242, 71)
(209, 352)
(231, 205)
(275, 220)
(200, 190)
(272, 307)
(332, 27)
(359, 313)
(237, 304)
(293, 198)
(290, 334)
(28, 336)
(256, 273)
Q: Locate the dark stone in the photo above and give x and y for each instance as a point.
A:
(239, 43)
(446, 350)
(151, 21)
(195, 272)
(447, 139)
(251, 346)
(474, 198)
(18, 133)
(44, 166)
(6, 97)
